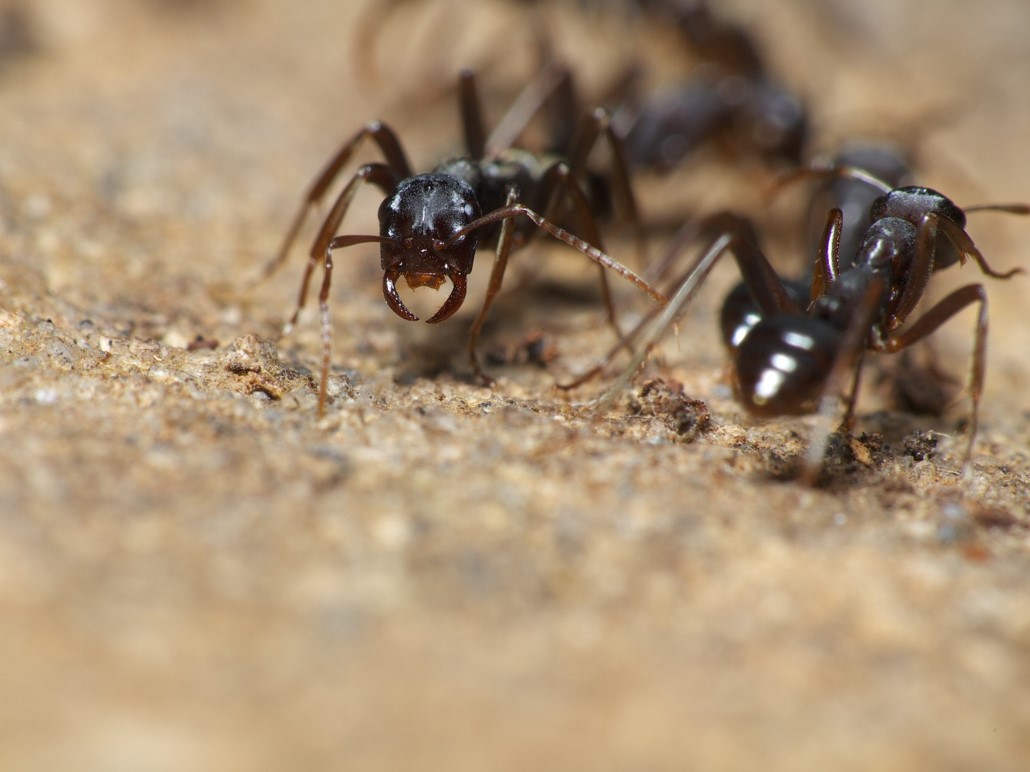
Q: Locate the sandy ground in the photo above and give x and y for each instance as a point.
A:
(198, 573)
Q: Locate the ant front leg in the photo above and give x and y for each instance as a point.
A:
(934, 318)
(514, 209)
(496, 279)
(379, 175)
(827, 264)
(396, 163)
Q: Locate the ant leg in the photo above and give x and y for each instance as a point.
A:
(471, 114)
(848, 422)
(850, 354)
(396, 162)
(337, 242)
(535, 97)
(558, 179)
(934, 318)
(711, 225)
(327, 331)
(512, 210)
(721, 222)
(599, 124)
(564, 105)
(685, 292)
(379, 175)
(826, 173)
(589, 250)
(762, 281)
(827, 267)
(496, 278)
(918, 274)
(626, 341)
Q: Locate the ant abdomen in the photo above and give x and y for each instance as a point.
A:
(740, 313)
(782, 364)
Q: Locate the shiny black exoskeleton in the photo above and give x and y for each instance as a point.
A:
(783, 364)
(794, 353)
(432, 223)
(853, 197)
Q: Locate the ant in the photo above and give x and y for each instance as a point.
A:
(753, 117)
(730, 98)
(793, 356)
(432, 223)
(851, 193)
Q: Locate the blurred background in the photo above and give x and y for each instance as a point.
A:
(196, 572)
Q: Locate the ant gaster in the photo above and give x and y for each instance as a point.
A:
(794, 358)
(432, 223)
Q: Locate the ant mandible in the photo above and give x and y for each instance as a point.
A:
(793, 358)
(431, 223)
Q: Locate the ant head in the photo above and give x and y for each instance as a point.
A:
(912, 203)
(417, 222)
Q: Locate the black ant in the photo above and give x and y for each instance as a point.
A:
(869, 166)
(851, 193)
(432, 223)
(730, 98)
(793, 358)
(753, 117)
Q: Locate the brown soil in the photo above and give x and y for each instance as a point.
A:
(197, 573)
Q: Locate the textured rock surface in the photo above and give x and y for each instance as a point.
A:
(196, 573)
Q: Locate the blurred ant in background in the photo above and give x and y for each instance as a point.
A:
(729, 99)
